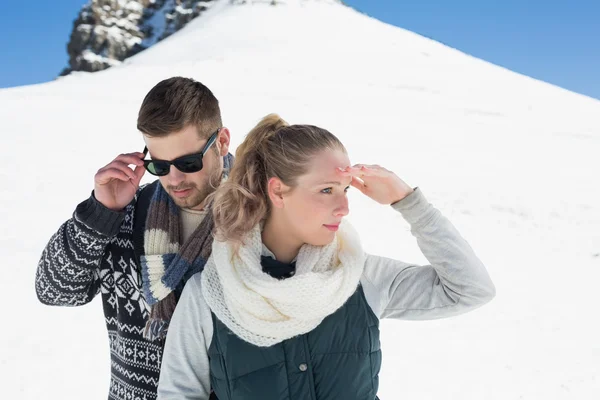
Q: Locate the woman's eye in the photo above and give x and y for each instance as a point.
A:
(326, 191)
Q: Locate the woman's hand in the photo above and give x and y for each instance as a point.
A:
(383, 186)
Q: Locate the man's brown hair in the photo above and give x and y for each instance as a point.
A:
(176, 103)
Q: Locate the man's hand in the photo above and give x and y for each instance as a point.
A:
(115, 184)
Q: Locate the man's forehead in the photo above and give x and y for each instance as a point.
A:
(175, 145)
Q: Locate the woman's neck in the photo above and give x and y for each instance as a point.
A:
(278, 239)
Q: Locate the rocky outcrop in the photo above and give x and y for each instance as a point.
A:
(107, 32)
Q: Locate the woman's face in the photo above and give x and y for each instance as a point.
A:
(315, 207)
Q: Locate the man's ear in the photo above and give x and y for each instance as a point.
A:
(223, 140)
(275, 189)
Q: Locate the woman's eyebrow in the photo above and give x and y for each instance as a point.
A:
(331, 183)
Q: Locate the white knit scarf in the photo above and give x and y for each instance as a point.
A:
(263, 310)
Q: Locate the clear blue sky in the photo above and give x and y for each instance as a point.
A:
(557, 41)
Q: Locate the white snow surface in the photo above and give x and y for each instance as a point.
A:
(512, 161)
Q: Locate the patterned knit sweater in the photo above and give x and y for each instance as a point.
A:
(94, 252)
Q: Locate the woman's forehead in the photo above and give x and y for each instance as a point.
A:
(331, 159)
(323, 168)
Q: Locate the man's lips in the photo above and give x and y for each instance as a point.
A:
(182, 192)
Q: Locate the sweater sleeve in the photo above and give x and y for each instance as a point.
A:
(185, 369)
(455, 282)
(68, 270)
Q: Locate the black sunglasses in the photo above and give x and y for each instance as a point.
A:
(186, 164)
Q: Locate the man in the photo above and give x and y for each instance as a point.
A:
(138, 246)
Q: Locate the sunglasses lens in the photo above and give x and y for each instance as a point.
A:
(158, 168)
(189, 164)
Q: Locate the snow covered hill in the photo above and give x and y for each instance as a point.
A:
(513, 162)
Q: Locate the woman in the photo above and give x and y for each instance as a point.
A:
(288, 305)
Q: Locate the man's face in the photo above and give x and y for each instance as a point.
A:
(190, 190)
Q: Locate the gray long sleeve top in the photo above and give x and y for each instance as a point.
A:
(455, 282)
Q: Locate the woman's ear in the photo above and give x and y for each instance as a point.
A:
(276, 189)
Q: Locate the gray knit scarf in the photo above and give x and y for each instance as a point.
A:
(166, 262)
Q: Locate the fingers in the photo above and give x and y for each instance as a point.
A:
(360, 185)
(370, 166)
(351, 172)
(122, 167)
(105, 175)
(371, 170)
(138, 173)
(130, 158)
(360, 170)
(119, 169)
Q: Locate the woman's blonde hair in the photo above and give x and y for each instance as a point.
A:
(271, 149)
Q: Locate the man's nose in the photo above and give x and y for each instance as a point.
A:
(175, 176)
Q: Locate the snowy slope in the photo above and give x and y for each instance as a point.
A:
(512, 161)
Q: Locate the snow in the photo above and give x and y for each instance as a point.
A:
(182, 10)
(134, 6)
(512, 161)
(93, 57)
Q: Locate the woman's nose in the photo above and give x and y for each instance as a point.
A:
(342, 209)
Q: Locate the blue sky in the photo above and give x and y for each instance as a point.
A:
(555, 41)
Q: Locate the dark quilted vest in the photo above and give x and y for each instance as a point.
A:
(338, 360)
